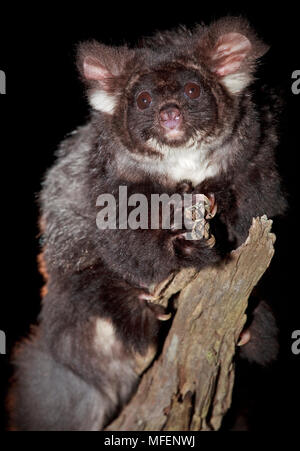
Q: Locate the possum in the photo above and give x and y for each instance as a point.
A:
(180, 112)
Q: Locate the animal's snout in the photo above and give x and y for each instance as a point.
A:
(170, 118)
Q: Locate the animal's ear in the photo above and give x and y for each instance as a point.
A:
(232, 49)
(101, 68)
(94, 70)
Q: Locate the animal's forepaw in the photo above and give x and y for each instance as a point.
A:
(197, 216)
(211, 206)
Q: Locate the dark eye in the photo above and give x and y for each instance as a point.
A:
(144, 100)
(192, 90)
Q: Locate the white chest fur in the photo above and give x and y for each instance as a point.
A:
(177, 164)
(189, 164)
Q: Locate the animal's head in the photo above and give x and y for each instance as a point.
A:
(178, 89)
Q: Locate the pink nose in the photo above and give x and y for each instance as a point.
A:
(170, 118)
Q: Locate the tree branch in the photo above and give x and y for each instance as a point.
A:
(189, 385)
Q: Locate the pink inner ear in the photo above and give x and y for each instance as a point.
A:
(230, 52)
(93, 70)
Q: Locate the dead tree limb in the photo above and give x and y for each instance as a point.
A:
(189, 385)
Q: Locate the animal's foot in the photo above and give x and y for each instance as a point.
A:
(157, 309)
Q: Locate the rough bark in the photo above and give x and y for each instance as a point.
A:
(188, 386)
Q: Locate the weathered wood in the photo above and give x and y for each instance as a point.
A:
(189, 385)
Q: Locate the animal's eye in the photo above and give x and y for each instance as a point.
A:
(192, 90)
(144, 100)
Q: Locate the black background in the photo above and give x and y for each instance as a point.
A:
(45, 101)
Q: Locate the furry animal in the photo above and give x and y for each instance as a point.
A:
(179, 113)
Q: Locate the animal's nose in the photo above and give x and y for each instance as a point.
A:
(170, 118)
